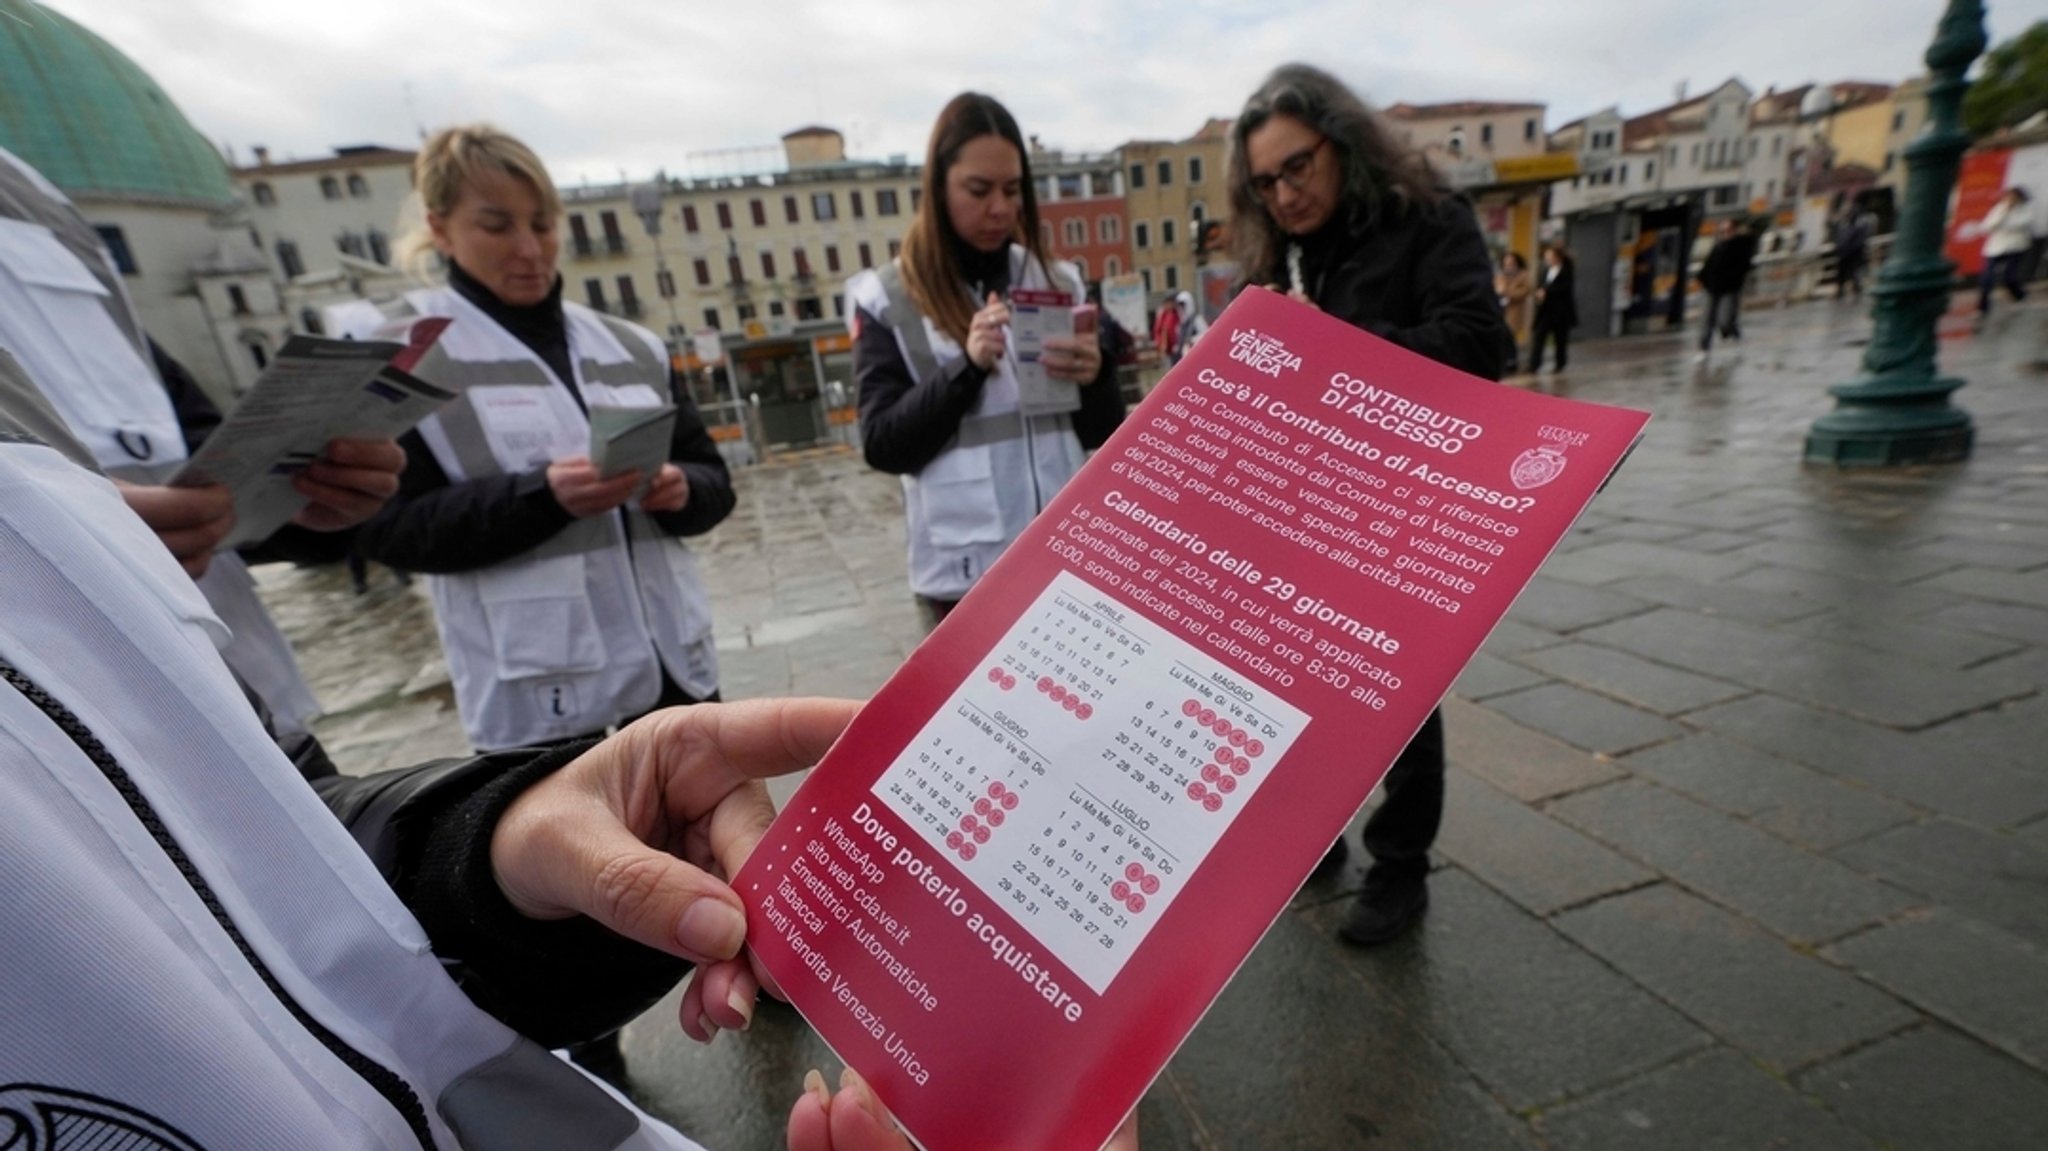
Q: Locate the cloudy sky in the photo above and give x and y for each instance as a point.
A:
(609, 87)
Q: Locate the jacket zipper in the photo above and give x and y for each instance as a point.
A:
(381, 1079)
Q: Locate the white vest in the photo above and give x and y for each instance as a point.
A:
(1000, 469)
(570, 637)
(129, 1011)
(57, 319)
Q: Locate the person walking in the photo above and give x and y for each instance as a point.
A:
(1722, 276)
(1515, 287)
(1852, 252)
(2008, 231)
(1318, 186)
(1557, 309)
(940, 403)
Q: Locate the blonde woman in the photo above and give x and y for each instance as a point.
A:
(565, 609)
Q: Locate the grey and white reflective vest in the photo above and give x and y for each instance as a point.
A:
(198, 955)
(1000, 469)
(572, 636)
(73, 329)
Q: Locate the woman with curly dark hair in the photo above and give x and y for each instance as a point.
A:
(1331, 209)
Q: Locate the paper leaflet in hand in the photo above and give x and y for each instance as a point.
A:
(1035, 316)
(626, 439)
(1021, 876)
(315, 390)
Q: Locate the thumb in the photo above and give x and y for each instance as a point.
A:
(579, 859)
(656, 899)
(993, 300)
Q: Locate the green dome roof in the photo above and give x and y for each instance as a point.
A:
(93, 122)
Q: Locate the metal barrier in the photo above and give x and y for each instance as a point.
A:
(1780, 278)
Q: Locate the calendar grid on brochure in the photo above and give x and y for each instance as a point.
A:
(1086, 770)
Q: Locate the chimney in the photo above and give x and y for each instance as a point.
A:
(262, 155)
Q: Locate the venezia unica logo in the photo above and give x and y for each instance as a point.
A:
(1261, 352)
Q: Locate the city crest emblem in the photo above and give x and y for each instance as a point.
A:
(1537, 466)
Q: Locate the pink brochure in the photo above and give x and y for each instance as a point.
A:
(1019, 879)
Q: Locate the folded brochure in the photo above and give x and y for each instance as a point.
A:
(624, 439)
(1020, 877)
(314, 390)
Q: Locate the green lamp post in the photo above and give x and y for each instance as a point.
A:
(1898, 412)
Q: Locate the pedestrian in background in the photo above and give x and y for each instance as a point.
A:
(2008, 231)
(939, 399)
(1721, 277)
(1852, 251)
(1380, 243)
(1557, 308)
(1515, 287)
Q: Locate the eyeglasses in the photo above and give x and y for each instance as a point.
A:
(1294, 170)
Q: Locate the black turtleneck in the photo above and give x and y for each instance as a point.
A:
(983, 272)
(541, 327)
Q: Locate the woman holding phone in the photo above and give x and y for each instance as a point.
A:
(940, 398)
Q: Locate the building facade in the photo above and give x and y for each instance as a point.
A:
(1083, 215)
(1171, 188)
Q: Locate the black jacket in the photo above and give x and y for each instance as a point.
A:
(435, 526)
(1417, 275)
(1557, 302)
(427, 829)
(906, 422)
(1727, 265)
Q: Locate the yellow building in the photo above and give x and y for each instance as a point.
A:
(1167, 186)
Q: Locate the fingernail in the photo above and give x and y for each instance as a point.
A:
(869, 1101)
(814, 1084)
(742, 1003)
(710, 1028)
(709, 929)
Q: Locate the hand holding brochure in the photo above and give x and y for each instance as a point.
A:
(315, 390)
(625, 439)
(1036, 315)
(1024, 872)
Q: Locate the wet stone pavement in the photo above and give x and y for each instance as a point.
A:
(1747, 835)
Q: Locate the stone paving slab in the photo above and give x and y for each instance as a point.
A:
(1715, 1101)
(1933, 1090)
(1888, 762)
(1511, 636)
(1999, 879)
(1834, 676)
(1401, 1089)
(1797, 895)
(1524, 854)
(2026, 624)
(1523, 763)
(1717, 599)
(1781, 1007)
(1983, 981)
(1584, 719)
(1558, 606)
(1916, 642)
(1849, 590)
(1631, 679)
(1790, 801)
(1534, 1017)
(1491, 675)
(1637, 557)
(2027, 588)
(1810, 554)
